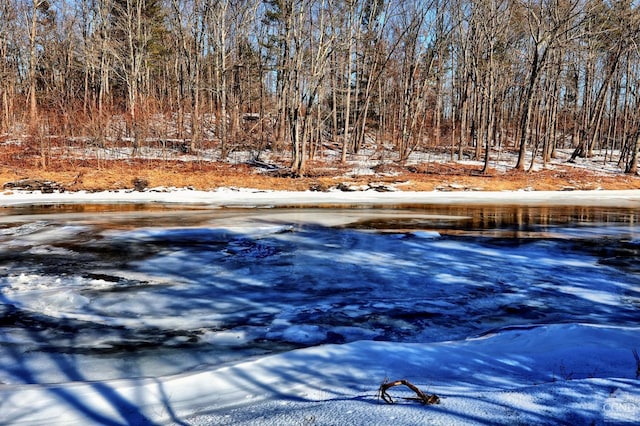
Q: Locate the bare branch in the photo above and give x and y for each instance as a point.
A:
(423, 398)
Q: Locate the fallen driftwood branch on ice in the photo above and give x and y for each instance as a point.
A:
(423, 398)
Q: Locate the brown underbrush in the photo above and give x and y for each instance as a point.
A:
(99, 175)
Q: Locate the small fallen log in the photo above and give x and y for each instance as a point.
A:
(45, 186)
(423, 398)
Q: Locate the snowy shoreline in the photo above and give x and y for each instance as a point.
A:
(557, 374)
(231, 197)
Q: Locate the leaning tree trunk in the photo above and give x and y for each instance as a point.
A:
(632, 167)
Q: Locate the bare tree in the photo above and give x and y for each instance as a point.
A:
(612, 32)
(491, 20)
(38, 14)
(138, 29)
(8, 66)
(548, 22)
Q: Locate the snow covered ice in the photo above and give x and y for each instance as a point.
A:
(207, 313)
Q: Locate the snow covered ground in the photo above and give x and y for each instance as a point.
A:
(208, 308)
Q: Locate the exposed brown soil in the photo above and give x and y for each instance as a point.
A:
(110, 175)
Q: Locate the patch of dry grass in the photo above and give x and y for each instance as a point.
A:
(111, 175)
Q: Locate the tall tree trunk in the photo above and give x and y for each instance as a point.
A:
(632, 167)
(33, 35)
(528, 109)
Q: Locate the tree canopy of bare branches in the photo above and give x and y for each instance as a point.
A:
(470, 78)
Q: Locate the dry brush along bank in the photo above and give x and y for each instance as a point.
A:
(141, 174)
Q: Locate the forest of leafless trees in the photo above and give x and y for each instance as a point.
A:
(456, 77)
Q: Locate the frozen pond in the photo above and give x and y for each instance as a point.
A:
(97, 292)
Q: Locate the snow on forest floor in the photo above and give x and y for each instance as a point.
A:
(80, 165)
(190, 310)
